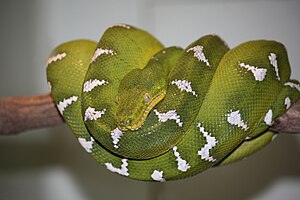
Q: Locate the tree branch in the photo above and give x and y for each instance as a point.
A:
(289, 122)
(18, 114)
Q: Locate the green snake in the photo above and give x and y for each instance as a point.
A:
(152, 113)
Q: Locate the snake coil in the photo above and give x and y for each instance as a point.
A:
(155, 114)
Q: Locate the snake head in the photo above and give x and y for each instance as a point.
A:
(139, 91)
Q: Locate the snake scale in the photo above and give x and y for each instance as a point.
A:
(152, 113)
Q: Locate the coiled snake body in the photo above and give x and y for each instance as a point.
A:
(155, 114)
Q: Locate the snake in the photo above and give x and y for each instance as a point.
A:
(155, 113)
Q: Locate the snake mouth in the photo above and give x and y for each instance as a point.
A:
(131, 124)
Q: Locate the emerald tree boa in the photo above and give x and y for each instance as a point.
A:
(153, 113)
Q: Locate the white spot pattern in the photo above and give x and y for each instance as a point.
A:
(65, 103)
(234, 118)
(122, 171)
(116, 134)
(158, 176)
(56, 58)
(91, 84)
(293, 85)
(184, 85)
(92, 114)
(211, 142)
(170, 115)
(100, 51)
(287, 102)
(268, 118)
(198, 53)
(183, 165)
(258, 73)
(87, 145)
(273, 61)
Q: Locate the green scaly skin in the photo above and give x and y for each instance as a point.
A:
(155, 114)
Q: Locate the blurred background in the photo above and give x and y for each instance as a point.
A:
(50, 164)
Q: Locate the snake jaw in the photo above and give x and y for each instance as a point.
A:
(128, 123)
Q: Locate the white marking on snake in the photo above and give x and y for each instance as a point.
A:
(122, 171)
(287, 102)
(293, 85)
(183, 165)
(198, 53)
(62, 105)
(116, 134)
(158, 176)
(211, 142)
(184, 85)
(268, 118)
(87, 145)
(56, 57)
(258, 73)
(122, 26)
(100, 51)
(163, 117)
(92, 114)
(91, 84)
(273, 61)
(234, 118)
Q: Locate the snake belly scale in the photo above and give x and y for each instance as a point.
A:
(152, 113)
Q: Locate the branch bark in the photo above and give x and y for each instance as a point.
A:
(289, 122)
(18, 114)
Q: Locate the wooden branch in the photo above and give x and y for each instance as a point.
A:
(18, 114)
(289, 122)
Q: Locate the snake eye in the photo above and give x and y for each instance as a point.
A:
(147, 97)
(117, 99)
